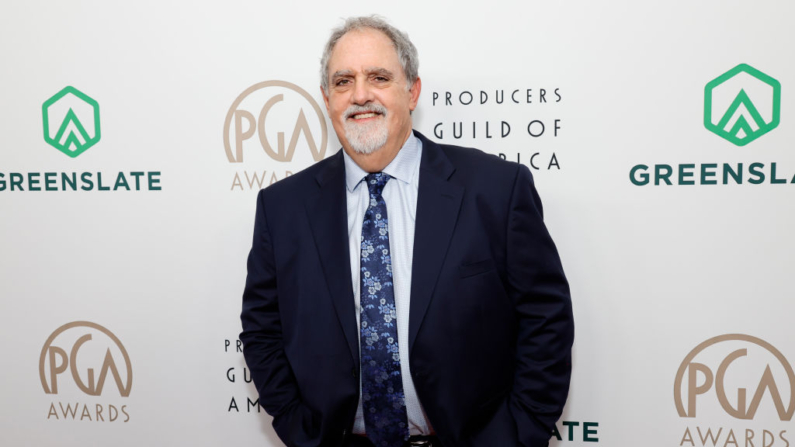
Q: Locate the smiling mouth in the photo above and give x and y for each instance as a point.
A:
(363, 116)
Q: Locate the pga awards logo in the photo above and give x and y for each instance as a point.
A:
(276, 125)
(87, 370)
(742, 382)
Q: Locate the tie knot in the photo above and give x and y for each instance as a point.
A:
(376, 182)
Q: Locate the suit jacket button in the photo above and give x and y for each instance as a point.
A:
(354, 373)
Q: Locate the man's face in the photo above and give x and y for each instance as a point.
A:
(367, 101)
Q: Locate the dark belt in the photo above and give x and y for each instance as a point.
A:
(414, 441)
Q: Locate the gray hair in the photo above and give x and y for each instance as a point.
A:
(407, 53)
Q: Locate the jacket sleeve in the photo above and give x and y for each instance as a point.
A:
(263, 345)
(541, 297)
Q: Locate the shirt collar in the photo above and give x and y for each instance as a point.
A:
(403, 167)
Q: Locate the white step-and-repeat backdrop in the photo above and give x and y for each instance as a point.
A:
(137, 134)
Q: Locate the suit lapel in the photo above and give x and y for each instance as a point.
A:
(438, 203)
(328, 217)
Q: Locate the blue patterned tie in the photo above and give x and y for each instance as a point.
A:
(383, 401)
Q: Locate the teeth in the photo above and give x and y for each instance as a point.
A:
(363, 116)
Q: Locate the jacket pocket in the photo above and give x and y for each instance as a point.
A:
(476, 268)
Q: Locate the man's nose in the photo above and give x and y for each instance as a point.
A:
(362, 94)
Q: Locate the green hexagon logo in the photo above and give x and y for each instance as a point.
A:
(71, 121)
(742, 104)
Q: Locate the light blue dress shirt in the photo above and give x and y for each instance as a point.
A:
(400, 195)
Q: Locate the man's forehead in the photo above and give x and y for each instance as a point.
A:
(369, 33)
(357, 41)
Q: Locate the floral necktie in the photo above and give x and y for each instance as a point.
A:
(383, 402)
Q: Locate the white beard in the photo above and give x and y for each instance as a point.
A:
(366, 138)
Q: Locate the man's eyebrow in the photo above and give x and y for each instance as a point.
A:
(379, 71)
(342, 73)
(369, 71)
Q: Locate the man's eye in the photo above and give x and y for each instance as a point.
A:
(341, 82)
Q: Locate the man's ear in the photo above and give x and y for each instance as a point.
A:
(325, 98)
(414, 91)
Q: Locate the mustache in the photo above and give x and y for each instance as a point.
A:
(357, 109)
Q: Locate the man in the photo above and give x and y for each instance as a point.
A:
(403, 292)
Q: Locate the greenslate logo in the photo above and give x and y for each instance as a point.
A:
(71, 121)
(742, 104)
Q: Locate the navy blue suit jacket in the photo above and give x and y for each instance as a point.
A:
(490, 325)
